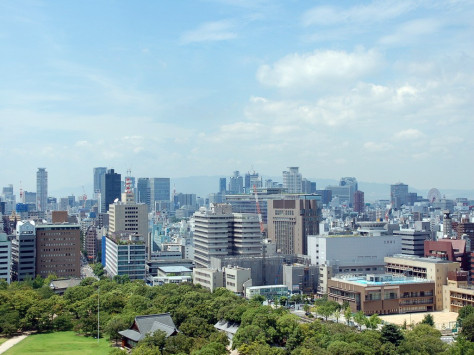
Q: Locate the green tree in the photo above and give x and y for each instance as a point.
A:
(360, 319)
(467, 330)
(283, 300)
(428, 319)
(247, 335)
(115, 325)
(391, 334)
(177, 344)
(256, 348)
(98, 269)
(211, 348)
(154, 340)
(423, 339)
(373, 321)
(348, 315)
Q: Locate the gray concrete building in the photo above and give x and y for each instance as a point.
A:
(24, 251)
(5, 258)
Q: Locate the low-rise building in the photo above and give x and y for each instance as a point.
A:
(208, 278)
(170, 274)
(301, 278)
(426, 268)
(235, 277)
(457, 293)
(125, 255)
(270, 292)
(382, 293)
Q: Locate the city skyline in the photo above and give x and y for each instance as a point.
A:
(381, 91)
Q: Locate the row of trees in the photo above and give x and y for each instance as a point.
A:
(263, 329)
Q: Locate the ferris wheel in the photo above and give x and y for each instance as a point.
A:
(434, 195)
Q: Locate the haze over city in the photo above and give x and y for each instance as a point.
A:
(378, 90)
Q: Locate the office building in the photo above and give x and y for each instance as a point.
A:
(350, 254)
(91, 244)
(301, 278)
(308, 187)
(270, 292)
(143, 191)
(398, 195)
(208, 278)
(98, 177)
(222, 185)
(345, 190)
(413, 241)
(245, 235)
(159, 194)
(383, 294)
(290, 222)
(111, 189)
(125, 254)
(5, 257)
(426, 268)
(359, 204)
(292, 180)
(236, 183)
(466, 228)
(58, 250)
(41, 189)
(235, 278)
(457, 293)
(326, 196)
(24, 251)
(128, 216)
(211, 233)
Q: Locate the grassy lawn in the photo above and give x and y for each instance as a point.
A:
(60, 343)
(2, 340)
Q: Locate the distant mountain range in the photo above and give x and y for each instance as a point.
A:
(202, 186)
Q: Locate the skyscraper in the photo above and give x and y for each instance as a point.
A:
(398, 194)
(111, 189)
(236, 183)
(41, 189)
(222, 185)
(291, 221)
(292, 180)
(98, 173)
(359, 205)
(159, 191)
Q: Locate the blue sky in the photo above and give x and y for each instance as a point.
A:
(379, 90)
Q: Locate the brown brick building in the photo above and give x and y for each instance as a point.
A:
(58, 250)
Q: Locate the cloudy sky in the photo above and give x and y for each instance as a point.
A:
(380, 90)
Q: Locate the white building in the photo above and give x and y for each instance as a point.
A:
(350, 254)
(170, 274)
(5, 258)
(246, 237)
(128, 216)
(292, 180)
(208, 278)
(125, 255)
(24, 251)
(235, 277)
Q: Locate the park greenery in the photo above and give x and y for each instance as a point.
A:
(264, 329)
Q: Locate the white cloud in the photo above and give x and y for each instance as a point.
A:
(319, 68)
(211, 31)
(377, 11)
(410, 32)
(377, 147)
(409, 134)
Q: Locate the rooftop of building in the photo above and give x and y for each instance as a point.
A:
(174, 269)
(380, 279)
(57, 225)
(432, 260)
(265, 287)
(3, 237)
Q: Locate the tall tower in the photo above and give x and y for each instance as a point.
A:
(292, 180)
(111, 189)
(98, 173)
(41, 189)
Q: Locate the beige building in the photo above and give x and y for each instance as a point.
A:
(290, 222)
(208, 278)
(246, 237)
(128, 216)
(426, 268)
(382, 293)
(457, 293)
(235, 277)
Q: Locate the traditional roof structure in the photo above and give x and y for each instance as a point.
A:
(148, 324)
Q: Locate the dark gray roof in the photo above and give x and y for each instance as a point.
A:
(65, 283)
(149, 324)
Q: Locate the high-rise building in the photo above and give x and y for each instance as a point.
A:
(290, 222)
(159, 192)
(98, 173)
(222, 185)
(218, 232)
(111, 189)
(5, 257)
(359, 205)
(308, 187)
(236, 183)
(292, 180)
(41, 189)
(91, 243)
(24, 251)
(58, 250)
(143, 191)
(125, 254)
(128, 216)
(398, 195)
